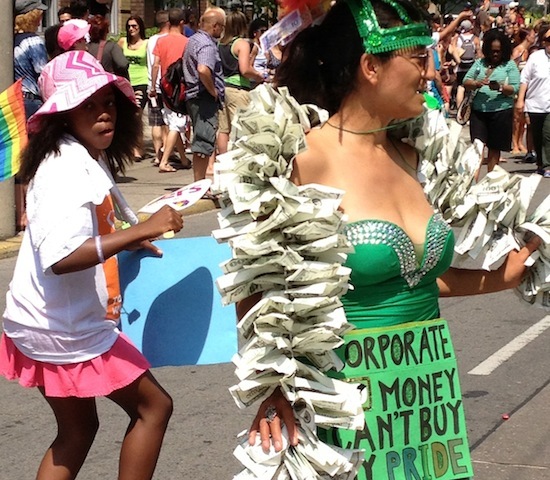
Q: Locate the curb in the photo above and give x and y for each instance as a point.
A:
(9, 247)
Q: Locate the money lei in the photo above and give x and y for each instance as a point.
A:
(287, 244)
(491, 217)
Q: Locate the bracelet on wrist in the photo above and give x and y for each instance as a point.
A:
(99, 249)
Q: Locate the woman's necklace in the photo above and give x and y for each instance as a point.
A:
(368, 132)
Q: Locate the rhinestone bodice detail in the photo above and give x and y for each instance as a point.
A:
(380, 232)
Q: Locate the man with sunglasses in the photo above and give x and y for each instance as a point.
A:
(534, 100)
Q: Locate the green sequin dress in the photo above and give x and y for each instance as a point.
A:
(394, 282)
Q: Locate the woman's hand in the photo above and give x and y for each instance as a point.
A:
(268, 422)
(456, 282)
(513, 269)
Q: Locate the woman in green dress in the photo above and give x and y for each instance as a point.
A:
(367, 64)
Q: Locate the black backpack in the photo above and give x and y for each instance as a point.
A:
(172, 86)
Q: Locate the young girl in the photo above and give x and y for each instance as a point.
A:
(63, 305)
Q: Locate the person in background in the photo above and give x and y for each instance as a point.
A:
(534, 100)
(109, 53)
(520, 18)
(154, 107)
(29, 51)
(169, 49)
(189, 22)
(495, 78)
(60, 331)
(466, 48)
(73, 35)
(520, 54)
(238, 72)
(50, 41)
(79, 9)
(29, 58)
(256, 29)
(64, 14)
(134, 46)
(205, 89)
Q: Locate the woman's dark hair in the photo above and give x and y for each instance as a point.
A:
(99, 28)
(63, 11)
(50, 40)
(255, 25)
(53, 127)
(139, 21)
(321, 63)
(494, 35)
(79, 8)
(542, 33)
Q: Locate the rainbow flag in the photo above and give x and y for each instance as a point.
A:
(13, 132)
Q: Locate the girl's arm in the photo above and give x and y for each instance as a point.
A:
(89, 254)
(242, 49)
(457, 282)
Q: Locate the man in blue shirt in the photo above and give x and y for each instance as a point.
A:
(205, 88)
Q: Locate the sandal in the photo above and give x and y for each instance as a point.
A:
(210, 196)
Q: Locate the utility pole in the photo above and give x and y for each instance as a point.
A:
(7, 197)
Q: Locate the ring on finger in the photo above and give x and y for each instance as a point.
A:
(270, 413)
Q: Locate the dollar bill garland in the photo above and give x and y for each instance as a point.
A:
(287, 243)
(492, 214)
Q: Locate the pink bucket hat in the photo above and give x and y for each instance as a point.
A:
(72, 31)
(69, 80)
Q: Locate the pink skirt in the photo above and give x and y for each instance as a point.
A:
(115, 369)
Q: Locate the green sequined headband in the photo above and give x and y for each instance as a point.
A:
(383, 40)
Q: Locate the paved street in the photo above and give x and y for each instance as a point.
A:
(201, 435)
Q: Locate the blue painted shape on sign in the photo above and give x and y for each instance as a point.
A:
(172, 309)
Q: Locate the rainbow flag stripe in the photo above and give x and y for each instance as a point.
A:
(13, 132)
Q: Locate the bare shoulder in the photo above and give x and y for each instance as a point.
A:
(310, 164)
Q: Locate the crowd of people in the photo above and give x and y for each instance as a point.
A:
(487, 54)
(367, 64)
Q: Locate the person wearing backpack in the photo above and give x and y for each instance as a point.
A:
(466, 50)
(169, 49)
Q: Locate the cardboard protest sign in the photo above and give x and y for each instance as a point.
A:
(414, 417)
(172, 310)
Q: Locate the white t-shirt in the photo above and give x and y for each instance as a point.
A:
(151, 60)
(536, 74)
(71, 317)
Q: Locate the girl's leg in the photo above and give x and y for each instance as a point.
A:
(149, 408)
(77, 426)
